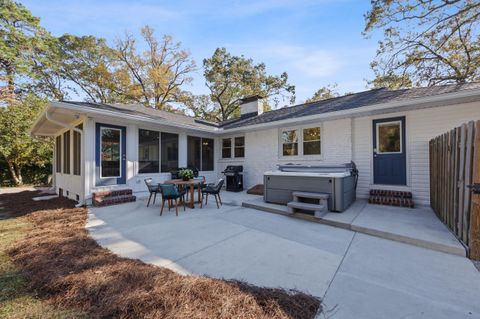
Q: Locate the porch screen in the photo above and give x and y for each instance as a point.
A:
(148, 151)
(77, 151)
(169, 152)
(58, 154)
(66, 152)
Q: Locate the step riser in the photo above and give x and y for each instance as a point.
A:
(390, 193)
(120, 192)
(114, 201)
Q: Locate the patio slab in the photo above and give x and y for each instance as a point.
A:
(385, 279)
(417, 226)
(357, 275)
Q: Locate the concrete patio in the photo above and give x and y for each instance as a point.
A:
(357, 275)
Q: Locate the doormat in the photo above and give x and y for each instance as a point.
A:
(256, 190)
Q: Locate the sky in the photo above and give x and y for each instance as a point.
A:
(317, 42)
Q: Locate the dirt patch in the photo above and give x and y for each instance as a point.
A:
(256, 190)
(62, 263)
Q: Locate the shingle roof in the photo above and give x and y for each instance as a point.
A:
(136, 109)
(351, 101)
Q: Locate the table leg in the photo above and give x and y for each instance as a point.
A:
(192, 196)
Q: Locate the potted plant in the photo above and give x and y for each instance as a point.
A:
(186, 174)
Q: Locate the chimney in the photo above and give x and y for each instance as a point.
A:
(251, 106)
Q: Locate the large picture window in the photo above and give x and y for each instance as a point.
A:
(77, 151)
(148, 151)
(66, 152)
(200, 153)
(58, 154)
(169, 152)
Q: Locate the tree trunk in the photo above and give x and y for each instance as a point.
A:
(15, 172)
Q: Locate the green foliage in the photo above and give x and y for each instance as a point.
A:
(17, 148)
(324, 93)
(425, 42)
(186, 173)
(231, 78)
(22, 48)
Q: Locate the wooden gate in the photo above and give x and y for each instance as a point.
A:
(454, 169)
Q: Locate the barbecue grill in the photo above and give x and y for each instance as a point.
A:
(234, 177)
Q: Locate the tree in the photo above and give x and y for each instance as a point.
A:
(23, 43)
(426, 42)
(17, 148)
(323, 93)
(230, 78)
(158, 73)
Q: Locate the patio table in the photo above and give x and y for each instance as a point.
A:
(190, 184)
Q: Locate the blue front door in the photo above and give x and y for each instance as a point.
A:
(110, 157)
(389, 151)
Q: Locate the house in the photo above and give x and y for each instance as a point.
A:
(385, 132)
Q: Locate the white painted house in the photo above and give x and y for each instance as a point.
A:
(386, 133)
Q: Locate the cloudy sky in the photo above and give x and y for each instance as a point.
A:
(318, 42)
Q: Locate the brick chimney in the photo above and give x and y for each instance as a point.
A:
(251, 105)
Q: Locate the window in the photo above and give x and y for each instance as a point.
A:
(111, 152)
(77, 151)
(226, 148)
(200, 153)
(311, 141)
(66, 152)
(289, 143)
(240, 146)
(389, 137)
(169, 151)
(58, 154)
(148, 151)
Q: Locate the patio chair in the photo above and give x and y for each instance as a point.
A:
(153, 189)
(170, 192)
(213, 189)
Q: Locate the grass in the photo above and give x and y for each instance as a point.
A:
(54, 267)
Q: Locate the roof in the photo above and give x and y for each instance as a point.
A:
(347, 102)
(137, 109)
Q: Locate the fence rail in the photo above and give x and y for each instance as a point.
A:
(454, 168)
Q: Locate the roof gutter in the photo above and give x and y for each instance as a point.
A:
(358, 111)
(67, 126)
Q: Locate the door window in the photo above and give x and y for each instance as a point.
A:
(111, 152)
(389, 137)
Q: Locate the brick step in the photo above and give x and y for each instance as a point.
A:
(390, 193)
(117, 192)
(391, 201)
(113, 200)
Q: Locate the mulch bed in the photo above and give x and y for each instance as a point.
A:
(256, 190)
(66, 266)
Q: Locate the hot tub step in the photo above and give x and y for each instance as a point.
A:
(310, 195)
(319, 210)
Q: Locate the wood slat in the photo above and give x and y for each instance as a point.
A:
(474, 231)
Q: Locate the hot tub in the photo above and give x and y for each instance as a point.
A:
(338, 181)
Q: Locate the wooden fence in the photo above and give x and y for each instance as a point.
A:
(454, 167)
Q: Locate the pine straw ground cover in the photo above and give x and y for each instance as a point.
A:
(65, 266)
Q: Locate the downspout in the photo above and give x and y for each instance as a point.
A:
(79, 131)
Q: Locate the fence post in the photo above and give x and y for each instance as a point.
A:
(474, 233)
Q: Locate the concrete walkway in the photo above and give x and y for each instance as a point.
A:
(359, 276)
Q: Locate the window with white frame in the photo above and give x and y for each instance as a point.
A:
(239, 147)
(301, 141)
(290, 143)
(233, 147)
(226, 148)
